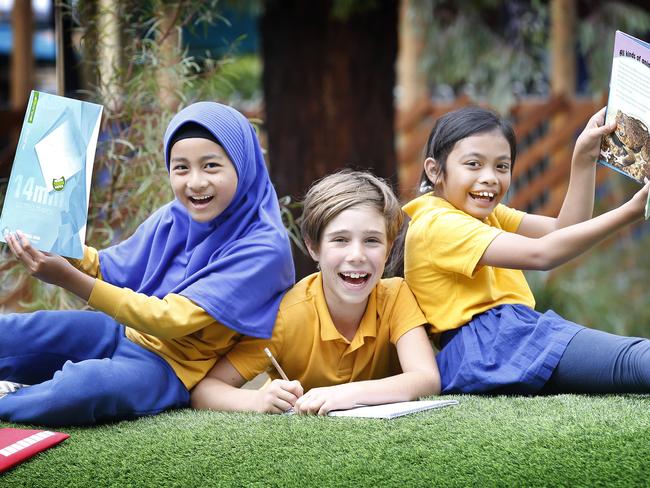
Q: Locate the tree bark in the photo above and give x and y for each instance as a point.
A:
(328, 86)
(22, 56)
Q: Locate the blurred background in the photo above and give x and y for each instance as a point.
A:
(332, 84)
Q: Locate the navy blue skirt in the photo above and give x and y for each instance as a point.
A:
(509, 349)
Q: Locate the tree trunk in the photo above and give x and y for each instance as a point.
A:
(563, 81)
(328, 86)
(22, 57)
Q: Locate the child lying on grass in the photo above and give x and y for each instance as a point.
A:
(340, 333)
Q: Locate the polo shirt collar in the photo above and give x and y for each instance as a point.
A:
(329, 332)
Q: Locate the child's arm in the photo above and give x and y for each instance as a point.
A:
(578, 203)
(169, 317)
(220, 390)
(50, 268)
(515, 251)
(89, 264)
(420, 377)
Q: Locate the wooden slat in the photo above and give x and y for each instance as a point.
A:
(532, 119)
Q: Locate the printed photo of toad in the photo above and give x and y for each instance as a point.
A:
(628, 148)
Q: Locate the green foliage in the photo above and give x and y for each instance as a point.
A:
(289, 209)
(470, 50)
(498, 51)
(239, 80)
(565, 440)
(596, 37)
(605, 289)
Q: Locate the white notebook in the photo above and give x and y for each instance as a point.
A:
(391, 410)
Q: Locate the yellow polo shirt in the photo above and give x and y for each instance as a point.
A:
(310, 348)
(441, 254)
(174, 327)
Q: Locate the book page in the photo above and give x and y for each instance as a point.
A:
(627, 150)
(392, 410)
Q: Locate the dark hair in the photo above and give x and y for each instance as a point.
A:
(457, 125)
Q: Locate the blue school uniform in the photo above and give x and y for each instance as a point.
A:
(507, 349)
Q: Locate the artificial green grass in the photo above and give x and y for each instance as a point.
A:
(565, 440)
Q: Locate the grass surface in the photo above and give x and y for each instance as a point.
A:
(560, 440)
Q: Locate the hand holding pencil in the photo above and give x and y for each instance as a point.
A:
(280, 395)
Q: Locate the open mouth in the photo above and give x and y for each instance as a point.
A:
(355, 278)
(486, 196)
(200, 200)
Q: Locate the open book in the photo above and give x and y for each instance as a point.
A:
(392, 410)
(49, 187)
(627, 149)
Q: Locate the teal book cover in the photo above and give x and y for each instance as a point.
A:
(49, 187)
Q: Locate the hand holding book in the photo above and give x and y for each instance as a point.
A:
(50, 268)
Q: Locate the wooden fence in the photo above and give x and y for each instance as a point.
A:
(546, 130)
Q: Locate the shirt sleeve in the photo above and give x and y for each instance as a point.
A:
(89, 263)
(406, 314)
(167, 318)
(248, 356)
(508, 218)
(458, 241)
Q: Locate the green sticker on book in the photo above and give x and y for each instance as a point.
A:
(32, 109)
(647, 207)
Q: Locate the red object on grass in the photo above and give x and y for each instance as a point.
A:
(17, 445)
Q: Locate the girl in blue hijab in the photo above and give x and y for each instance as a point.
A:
(203, 270)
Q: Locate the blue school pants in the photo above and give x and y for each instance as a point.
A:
(597, 362)
(83, 370)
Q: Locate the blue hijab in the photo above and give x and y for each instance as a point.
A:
(237, 266)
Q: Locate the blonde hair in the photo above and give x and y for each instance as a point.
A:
(333, 194)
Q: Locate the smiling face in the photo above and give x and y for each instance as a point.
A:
(352, 254)
(202, 176)
(477, 173)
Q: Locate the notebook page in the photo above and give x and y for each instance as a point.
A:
(392, 410)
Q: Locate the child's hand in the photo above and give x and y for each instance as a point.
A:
(47, 267)
(587, 146)
(320, 401)
(279, 396)
(638, 201)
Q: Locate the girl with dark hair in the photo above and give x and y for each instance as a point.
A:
(464, 253)
(203, 270)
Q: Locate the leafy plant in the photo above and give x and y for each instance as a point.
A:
(498, 51)
(606, 288)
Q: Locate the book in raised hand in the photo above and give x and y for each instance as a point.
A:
(392, 410)
(49, 186)
(627, 149)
